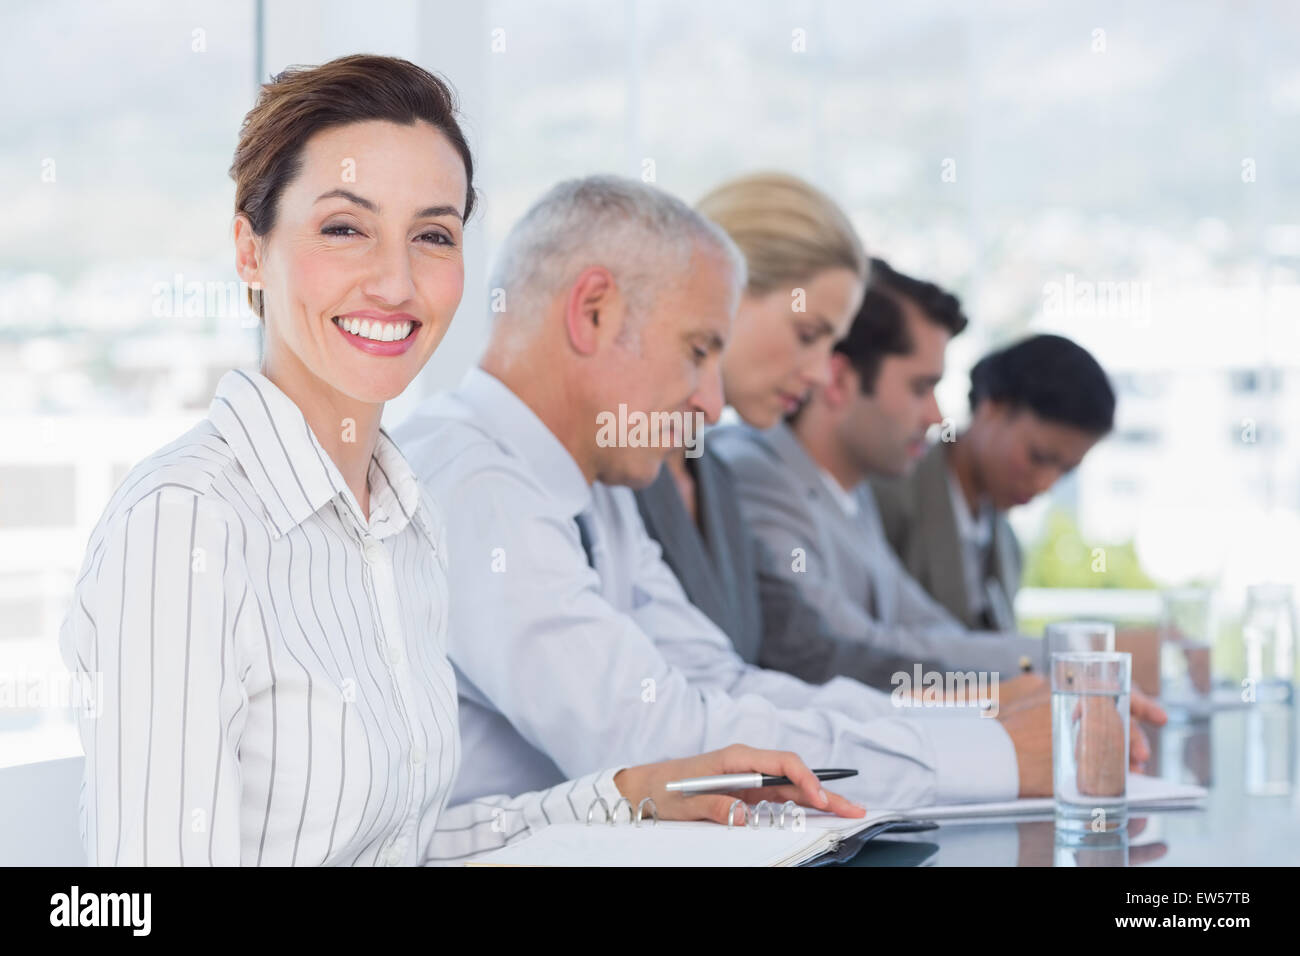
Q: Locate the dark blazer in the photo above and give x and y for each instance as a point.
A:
(918, 519)
(729, 575)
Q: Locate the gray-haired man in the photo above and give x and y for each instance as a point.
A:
(573, 642)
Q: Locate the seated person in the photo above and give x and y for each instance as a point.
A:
(1037, 407)
(803, 483)
(806, 275)
(804, 490)
(571, 638)
(262, 609)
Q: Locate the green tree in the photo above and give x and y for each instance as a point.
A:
(1061, 558)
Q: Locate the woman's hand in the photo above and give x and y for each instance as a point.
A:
(648, 780)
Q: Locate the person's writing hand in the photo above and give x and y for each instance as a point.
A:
(1030, 729)
(648, 781)
(1025, 690)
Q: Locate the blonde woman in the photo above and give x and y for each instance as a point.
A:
(807, 274)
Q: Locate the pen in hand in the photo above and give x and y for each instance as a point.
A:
(746, 781)
(651, 780)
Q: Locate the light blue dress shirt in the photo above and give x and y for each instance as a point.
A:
(563, 668)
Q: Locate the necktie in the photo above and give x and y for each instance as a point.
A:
(584, 535)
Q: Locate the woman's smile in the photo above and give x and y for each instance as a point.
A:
(378, 333)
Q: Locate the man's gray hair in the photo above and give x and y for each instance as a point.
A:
(642, 235)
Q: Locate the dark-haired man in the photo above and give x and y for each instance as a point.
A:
(1037, 407)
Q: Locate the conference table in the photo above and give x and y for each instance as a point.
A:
(1245, 756)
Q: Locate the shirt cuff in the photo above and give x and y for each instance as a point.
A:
(974, 762)
(602, 782)
(1015, 655)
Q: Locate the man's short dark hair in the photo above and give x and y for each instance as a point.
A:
(880, 327)
(1051, 376)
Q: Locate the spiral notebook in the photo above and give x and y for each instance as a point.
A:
(673, 843)
(811, 838)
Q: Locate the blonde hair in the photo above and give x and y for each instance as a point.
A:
(787, 229)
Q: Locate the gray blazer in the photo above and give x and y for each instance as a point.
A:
(844, 566)
(917, 516)
(729, 574)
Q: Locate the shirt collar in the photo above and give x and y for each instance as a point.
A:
(510, 421)
(290, 471)
(847, 500)
(977, 530)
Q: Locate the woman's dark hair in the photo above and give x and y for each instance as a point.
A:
(303, 100)
(1051, 376)
(880, 327)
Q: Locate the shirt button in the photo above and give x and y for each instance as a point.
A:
(394, 654)
(417, 755)
(373, 549)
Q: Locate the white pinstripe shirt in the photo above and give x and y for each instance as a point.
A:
(274, 682)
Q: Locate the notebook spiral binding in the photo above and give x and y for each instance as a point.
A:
(612, 815)
(750, 816)
(775, 815)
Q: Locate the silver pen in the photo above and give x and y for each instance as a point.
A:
(746, 781)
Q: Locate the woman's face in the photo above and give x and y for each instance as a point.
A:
(776, 355)
(1020, 456)
(363, 270)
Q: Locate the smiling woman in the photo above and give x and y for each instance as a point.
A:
(264, 601)
(353, 185)
(389, 259)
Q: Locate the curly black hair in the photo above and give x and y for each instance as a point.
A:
(1056, 379)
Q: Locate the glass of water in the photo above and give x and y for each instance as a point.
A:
(1090, 740)
(1185, 642)
(1064, 637)
(1269, 635)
